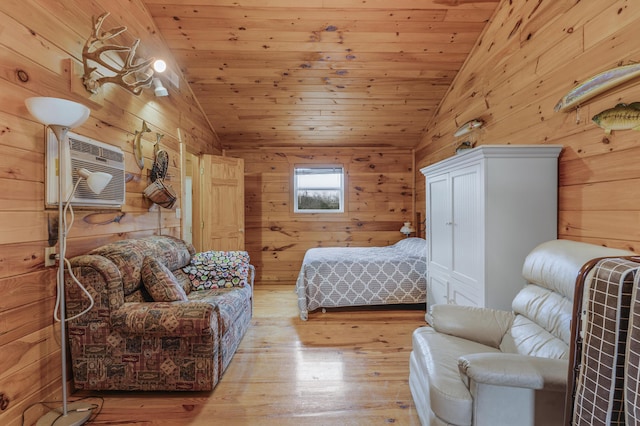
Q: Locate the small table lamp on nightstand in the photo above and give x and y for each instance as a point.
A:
(406, 229)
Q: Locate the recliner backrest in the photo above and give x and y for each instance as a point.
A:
(543, 308)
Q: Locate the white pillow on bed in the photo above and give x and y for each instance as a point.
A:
(413, 246)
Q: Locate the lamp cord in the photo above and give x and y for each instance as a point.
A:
(69, 207)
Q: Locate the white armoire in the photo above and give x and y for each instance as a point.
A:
(487, 208)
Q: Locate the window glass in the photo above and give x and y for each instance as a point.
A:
(319, 189)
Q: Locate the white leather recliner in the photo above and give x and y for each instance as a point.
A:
(485, 367)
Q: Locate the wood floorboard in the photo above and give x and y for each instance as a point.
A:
(342, 367)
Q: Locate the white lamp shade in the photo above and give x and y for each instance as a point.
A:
(55, 111)
(406, 228)
(96, 181)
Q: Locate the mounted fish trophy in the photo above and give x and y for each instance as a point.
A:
(620, 117)
(467, 129)
(596, 85)
(137, 144)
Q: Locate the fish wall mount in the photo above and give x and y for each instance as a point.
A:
(620, 117)
(466, 130)
(468, 127)
(596, 85)
(137, 144)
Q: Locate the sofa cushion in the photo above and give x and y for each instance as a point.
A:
(438, 355)
(160, 282)
(127, 255)
(183, 280)
(230, 303)
(218, 269)
(173, 252)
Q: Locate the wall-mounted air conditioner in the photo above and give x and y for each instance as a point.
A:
(92, 155)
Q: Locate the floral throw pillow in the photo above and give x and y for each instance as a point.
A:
(218, 269)
(160, 282)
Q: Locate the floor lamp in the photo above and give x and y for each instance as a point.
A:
(60, 115)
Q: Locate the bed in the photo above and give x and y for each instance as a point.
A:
(356, 276)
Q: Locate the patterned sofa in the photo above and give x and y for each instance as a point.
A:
(148, 328)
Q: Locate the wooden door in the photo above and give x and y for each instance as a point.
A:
(222, 203)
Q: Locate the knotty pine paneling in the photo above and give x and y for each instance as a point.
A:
(256, 66)
(529, 56)
(379, 198)
(43, 40)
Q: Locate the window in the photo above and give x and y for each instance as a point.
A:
(318, 189)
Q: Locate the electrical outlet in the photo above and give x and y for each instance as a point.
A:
(49, 256)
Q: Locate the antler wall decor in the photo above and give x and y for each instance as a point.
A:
(134, 75)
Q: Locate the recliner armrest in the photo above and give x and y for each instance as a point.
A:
(481, 325)
(514, 370)
(166, 319)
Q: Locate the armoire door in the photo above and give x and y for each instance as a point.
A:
(439, 221)
(466, 225)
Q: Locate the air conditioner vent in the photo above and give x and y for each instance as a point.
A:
(80, 146)
(83, 152)
(113, 155)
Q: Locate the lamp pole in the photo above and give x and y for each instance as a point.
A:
(61, 135)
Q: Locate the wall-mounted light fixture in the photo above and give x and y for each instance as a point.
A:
(158, 88)
(134, 75)
(159, 65)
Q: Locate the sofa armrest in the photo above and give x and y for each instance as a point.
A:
(166, 319)
(514, 370)
(481, 325)
(102, 279)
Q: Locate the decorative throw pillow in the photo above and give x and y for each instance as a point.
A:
(160, 282)
(218, 269)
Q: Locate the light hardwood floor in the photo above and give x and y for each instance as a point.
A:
(343, 367)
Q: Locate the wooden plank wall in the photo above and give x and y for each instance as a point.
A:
(37, 39)
(530, 55)
(379, 198)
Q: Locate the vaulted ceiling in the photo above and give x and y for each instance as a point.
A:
(320, 72)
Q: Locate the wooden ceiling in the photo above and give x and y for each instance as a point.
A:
(342, 73)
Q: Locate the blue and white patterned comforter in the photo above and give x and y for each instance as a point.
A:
(356, 276)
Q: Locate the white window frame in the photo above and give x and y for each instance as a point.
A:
(341, 189)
